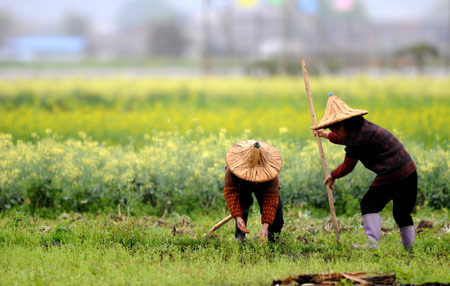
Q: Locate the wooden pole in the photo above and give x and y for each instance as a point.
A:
(322, 156)
(218, 225)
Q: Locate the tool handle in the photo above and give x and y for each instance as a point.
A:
(322, 155)
(218, 225)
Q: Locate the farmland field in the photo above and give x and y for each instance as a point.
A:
(85, 145)
(156, 147)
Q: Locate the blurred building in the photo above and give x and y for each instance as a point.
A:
(30, 48)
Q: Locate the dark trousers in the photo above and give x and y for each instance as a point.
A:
(247, 200)
(403, 194)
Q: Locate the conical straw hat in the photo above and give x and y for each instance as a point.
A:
(254, 161)
(337, 111)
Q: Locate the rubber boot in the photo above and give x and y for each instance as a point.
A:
(372, 228)
(238, 234)
(408, 236)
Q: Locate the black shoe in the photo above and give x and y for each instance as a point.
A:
(240, 237)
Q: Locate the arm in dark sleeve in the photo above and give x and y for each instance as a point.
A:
(231, 192)
(335, 139)
(345, 168)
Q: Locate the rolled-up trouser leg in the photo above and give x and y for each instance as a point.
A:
(408, 236)
(374, 201)
(372, 228)
(277, 225)
(246, 200)
(404, 201)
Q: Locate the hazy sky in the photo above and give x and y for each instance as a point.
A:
(103, 13)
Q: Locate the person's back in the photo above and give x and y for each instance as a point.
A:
(380, 151)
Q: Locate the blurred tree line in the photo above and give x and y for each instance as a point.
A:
(263, 40)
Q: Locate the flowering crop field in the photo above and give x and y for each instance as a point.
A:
(83, 145)
(136, 166)
(121, 110)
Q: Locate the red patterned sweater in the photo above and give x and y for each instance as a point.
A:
(379, 151)
(348, 165)
(270, 189)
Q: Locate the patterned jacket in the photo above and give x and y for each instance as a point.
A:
(379, 151)
(271, 197)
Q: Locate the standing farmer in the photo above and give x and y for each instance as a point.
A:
(253, 167)
(380, 152)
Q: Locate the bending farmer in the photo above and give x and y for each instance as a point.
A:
(380, 152)
(253, 167)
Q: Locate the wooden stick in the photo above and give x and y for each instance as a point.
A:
(355, 278)
(218, 225)
(322, 156)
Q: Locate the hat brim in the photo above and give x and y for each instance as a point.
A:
(326, 123)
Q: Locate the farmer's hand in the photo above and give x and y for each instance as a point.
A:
(329, 181)
(241, 225)
(321, 132)
(264, 231)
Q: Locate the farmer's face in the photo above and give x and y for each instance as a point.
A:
(339, 131)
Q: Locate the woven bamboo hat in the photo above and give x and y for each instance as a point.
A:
(254, 161)
(337, 111)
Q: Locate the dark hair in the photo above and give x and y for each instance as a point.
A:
(335, 126)
(351, 124)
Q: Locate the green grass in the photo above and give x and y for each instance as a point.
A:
(104, 250)
(179, 131)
